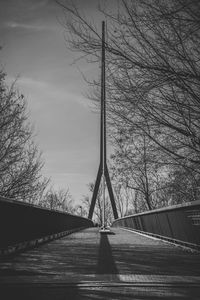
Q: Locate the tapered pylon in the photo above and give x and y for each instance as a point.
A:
(103, 169)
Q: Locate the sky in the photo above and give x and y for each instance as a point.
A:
(35, 51)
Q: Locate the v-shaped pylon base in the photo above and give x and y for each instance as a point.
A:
(96, 189)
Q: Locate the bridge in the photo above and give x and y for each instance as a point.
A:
(53, 255)
(49, 254)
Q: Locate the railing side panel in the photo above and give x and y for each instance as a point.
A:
(180, 222)
(21, 222)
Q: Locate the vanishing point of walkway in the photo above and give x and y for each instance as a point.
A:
(87, 265)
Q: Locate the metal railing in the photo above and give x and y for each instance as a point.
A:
(180, 223)
(21, 222)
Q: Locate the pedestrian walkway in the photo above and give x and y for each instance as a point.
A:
(90, 265)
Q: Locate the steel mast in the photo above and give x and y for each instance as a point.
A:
(103, 169)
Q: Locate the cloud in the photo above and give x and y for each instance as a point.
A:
(27, 26)
(50, 91)
(34, 83)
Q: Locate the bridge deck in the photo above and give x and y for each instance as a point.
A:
(87, 265)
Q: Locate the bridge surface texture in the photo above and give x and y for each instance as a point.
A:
(90, 265)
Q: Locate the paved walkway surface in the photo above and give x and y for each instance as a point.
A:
(90, 265)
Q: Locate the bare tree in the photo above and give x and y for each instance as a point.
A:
(20, 160)
(136, 166)
(58, 200)
(153, 78)
(124, 198)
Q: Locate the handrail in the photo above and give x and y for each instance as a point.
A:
(168, 208)
(18, 202)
